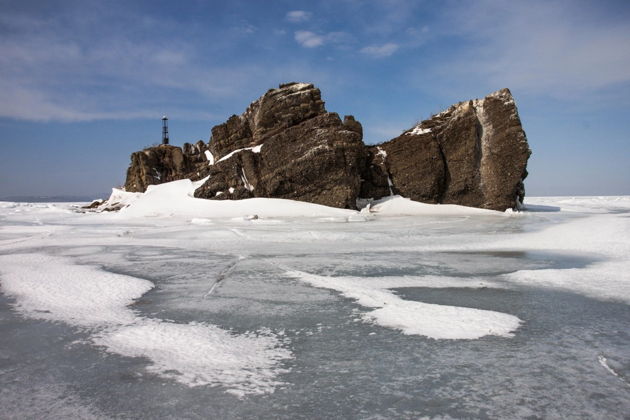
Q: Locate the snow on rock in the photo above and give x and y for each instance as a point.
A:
(210, 157)
(414, 318)
(255, 149)
(417, 130)
(119, 199)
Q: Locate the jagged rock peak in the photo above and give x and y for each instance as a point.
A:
(278, 109)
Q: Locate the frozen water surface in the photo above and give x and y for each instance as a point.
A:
(340, 315)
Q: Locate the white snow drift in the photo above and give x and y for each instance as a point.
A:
(176, 199)
(55, 289)
(430, 320)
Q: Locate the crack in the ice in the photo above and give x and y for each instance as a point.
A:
(223, 275)
(604, 362)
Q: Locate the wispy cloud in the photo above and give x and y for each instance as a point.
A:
(309, 39)
(79, 72)
(297, 16)
(547, 47)
(380, 51)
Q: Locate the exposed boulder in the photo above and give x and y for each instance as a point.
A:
(286, 145)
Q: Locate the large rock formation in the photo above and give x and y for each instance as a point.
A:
(286, 145)
(474, 154)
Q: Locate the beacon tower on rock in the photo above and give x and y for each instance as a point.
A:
(164, 130)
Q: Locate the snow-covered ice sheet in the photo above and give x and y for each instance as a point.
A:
(53, 288)
(467, 310)
(199, 354)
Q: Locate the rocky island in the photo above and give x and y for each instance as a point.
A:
(286, 145)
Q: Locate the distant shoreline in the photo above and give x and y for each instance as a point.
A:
(53, 198)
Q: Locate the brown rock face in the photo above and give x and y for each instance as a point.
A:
(304, 153)
(285, 145)
(165, 163)
(473, 154)
(155, 165)
(275, 111)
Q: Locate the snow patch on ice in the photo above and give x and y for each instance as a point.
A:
(55, 289)
(202, 354)
(52, 288)
(201, 221)
(603, 235)
(414, 318)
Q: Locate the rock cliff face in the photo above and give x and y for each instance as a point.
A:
(474, 154)
(286, 145)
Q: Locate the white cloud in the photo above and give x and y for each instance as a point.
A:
(380, 51)
(546, 47)
(297, 16)
(309, 39)
(77, 73)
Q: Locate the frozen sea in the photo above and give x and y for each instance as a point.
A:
(442, 313)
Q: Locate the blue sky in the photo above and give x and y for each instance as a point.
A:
(84, 83)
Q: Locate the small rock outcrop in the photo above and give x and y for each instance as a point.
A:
(165, 163)
(286, 145)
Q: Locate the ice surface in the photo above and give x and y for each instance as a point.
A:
(200, 354)
(266, 344)
(605, 235)
(53, 288)
(434, 321)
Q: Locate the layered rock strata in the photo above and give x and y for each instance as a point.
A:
(286, 145)
(474, 154)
